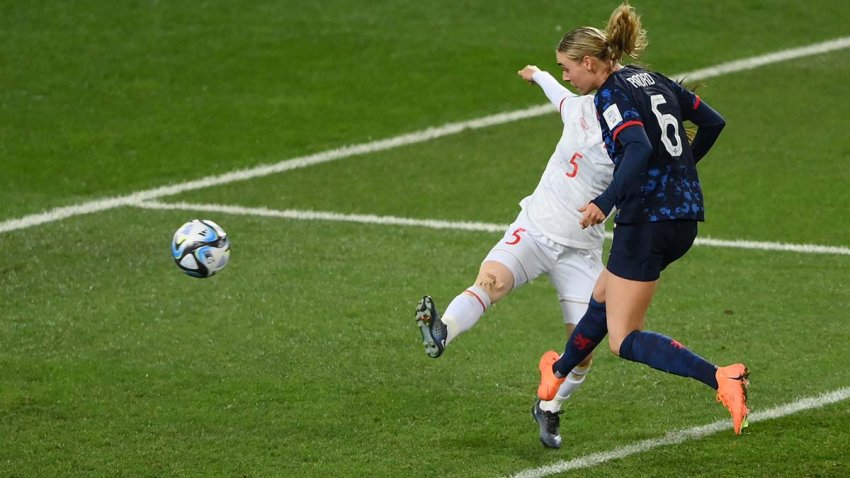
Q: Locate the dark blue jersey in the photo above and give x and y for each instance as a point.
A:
(668, 188)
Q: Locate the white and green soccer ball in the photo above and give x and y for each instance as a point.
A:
(200, 248)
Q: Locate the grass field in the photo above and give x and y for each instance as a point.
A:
(302, 357)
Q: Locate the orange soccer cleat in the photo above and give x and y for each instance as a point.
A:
(732, 386)
(549, 383)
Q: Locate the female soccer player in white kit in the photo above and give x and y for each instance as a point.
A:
(545, 238)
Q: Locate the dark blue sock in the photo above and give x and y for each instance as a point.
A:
(589, 331)
(665, 354)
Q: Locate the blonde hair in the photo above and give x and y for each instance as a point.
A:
(622, 37)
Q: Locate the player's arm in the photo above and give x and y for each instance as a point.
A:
(636, 153)
(554, 91)
(709, 122)
(709, 125)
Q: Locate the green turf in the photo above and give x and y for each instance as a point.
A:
(301, 358)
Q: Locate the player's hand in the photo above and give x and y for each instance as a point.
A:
(527, 72)
(592, 215)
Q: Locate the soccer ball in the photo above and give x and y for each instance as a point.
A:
(200, 248)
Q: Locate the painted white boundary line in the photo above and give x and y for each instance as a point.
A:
(327, 216)
(455, 225)
(680, 436)
(89, 207)
(755, 62)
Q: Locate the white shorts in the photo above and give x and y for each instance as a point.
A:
(529, 254)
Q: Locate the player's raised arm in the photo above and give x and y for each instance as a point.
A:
(554, 91)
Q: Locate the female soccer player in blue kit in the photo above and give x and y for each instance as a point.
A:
(659, 200)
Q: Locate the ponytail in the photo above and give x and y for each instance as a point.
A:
(624, 35)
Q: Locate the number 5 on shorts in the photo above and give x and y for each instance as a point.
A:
(516, 235)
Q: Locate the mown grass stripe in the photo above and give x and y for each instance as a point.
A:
(428, 134)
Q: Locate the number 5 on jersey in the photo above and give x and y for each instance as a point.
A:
(572, 173)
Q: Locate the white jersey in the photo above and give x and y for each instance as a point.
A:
(578, 171)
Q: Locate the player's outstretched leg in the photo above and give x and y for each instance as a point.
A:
(550, 425)
(433, 329)
(732, 383)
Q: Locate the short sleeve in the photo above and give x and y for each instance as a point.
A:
(616, 110)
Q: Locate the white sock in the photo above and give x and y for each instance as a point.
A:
(464, 311)
(574, 380)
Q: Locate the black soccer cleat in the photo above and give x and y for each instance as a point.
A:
(433, 329)
(550, 424)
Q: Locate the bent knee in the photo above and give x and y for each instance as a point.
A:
(497, 285)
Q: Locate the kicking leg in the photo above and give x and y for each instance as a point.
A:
(494, 281)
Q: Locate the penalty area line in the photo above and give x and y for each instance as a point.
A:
(326, 216)
(681, 436)
(428, 134)
(457, 225)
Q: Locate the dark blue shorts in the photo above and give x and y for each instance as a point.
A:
(641, 251)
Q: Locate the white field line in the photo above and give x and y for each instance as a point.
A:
(88, 207)
(326, 216)
(455, 225)
(680, 436)
(755, 62)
